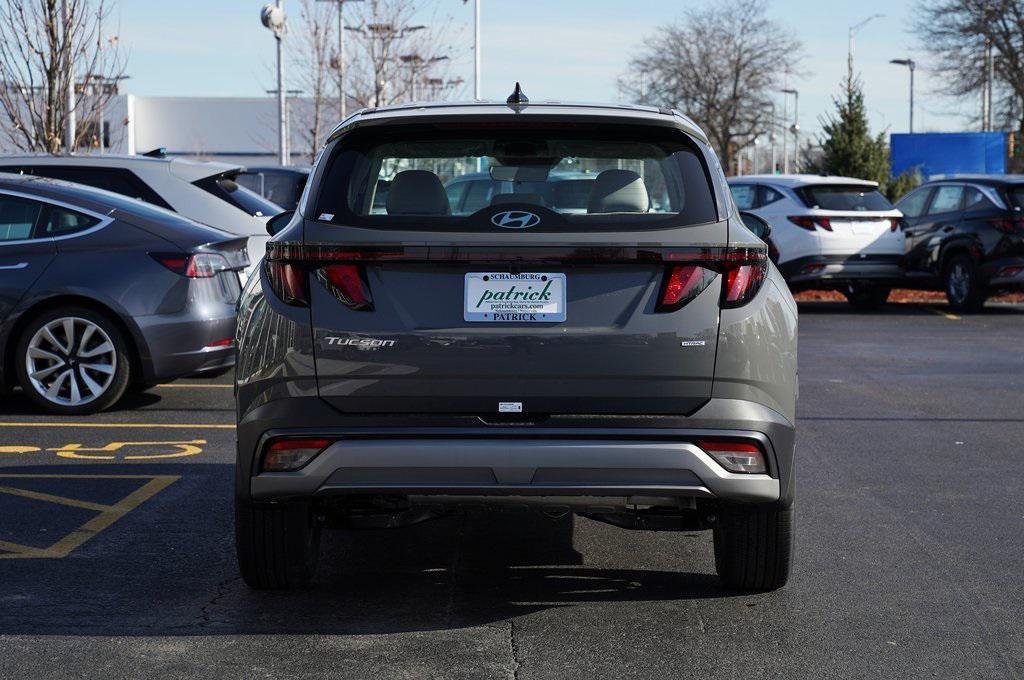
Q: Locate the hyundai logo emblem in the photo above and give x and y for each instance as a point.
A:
(515, 219)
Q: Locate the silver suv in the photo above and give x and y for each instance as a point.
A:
(633, 362)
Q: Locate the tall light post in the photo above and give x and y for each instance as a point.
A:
(476, 48)
(849, 48)
(909, 63)
(272, 16)
(795, 128)
(342, 103)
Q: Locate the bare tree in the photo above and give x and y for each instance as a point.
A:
(955, 33)
(394, 58)
(720, 65)
(312, 63)
(42, 49)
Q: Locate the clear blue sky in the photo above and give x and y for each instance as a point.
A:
(564, 49)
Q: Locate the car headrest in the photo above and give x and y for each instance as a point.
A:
(618, 191)
(417, 192)
(531, 199)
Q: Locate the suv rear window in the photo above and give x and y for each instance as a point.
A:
(843, 197)
(573, 177)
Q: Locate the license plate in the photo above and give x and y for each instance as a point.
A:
(504, 297)
(865, 228)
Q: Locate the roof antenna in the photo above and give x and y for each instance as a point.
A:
(517, 96)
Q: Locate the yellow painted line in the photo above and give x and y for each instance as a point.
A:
(66, 545)
(50, 498)
(156, 426)
(198, 385)
(948, 315)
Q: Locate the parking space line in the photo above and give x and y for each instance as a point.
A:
(50, 498)
(156, 426)
(106, 517)
(948, 315)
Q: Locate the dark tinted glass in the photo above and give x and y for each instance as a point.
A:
(63, 221)
(843, 197)
(118, 180)
(745, 195)
(17, 217)
(579, 178)
(227, 189)
(769, 195)
(946, 199)
(912, 205)
(1016, 194)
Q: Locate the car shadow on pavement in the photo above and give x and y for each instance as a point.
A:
(167, 567)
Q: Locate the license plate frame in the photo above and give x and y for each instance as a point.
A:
(530, 297)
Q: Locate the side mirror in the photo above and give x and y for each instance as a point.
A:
(279, 222)
(757, 225)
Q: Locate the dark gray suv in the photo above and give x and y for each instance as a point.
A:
(633, 362)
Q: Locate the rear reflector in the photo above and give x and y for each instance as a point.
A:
(284, 455)
(220, 344)
(894, 223)
(682, 283)
(735, 456)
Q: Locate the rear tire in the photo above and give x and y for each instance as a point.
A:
(866, 295)
(964, 290)
(277, 545)
(72, 360)
(754, 547)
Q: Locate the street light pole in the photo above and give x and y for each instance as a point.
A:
(272, 16)
(795, 128)
(69, 118)
(476, 50)
(849, 51)
(342, 101)
(910, 64)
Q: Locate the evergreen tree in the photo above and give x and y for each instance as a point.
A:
(848, 147)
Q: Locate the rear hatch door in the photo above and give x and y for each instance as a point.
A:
(516, 308)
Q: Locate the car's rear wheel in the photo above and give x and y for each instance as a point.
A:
(754, 547)
(72, 360)
(277, 545)
(866, 295)
(964, 291)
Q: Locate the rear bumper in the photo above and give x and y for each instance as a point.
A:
(529, 464)
(184, 344)
(512, 467)
(840, 268)
(1005, 272)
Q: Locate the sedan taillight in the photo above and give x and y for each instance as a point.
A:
(193, 265)
(808, 223)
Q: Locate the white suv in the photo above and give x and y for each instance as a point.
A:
(204, 191)
(836, 233)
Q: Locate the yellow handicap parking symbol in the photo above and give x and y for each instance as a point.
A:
(139, 450)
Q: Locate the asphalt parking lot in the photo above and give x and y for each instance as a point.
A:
(116, 549)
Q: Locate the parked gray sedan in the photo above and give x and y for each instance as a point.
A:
(100, 293)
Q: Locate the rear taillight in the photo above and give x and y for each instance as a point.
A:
(1012, 270)
(347, 284)
(682, 283)
(736, 456)
(1009, 225)
(894, 223)
(808, 223)
(193, 265)
(688, 270)
(289, 281)
(291, 453)
(742, 282)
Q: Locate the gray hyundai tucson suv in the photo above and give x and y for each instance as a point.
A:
(634, 362)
